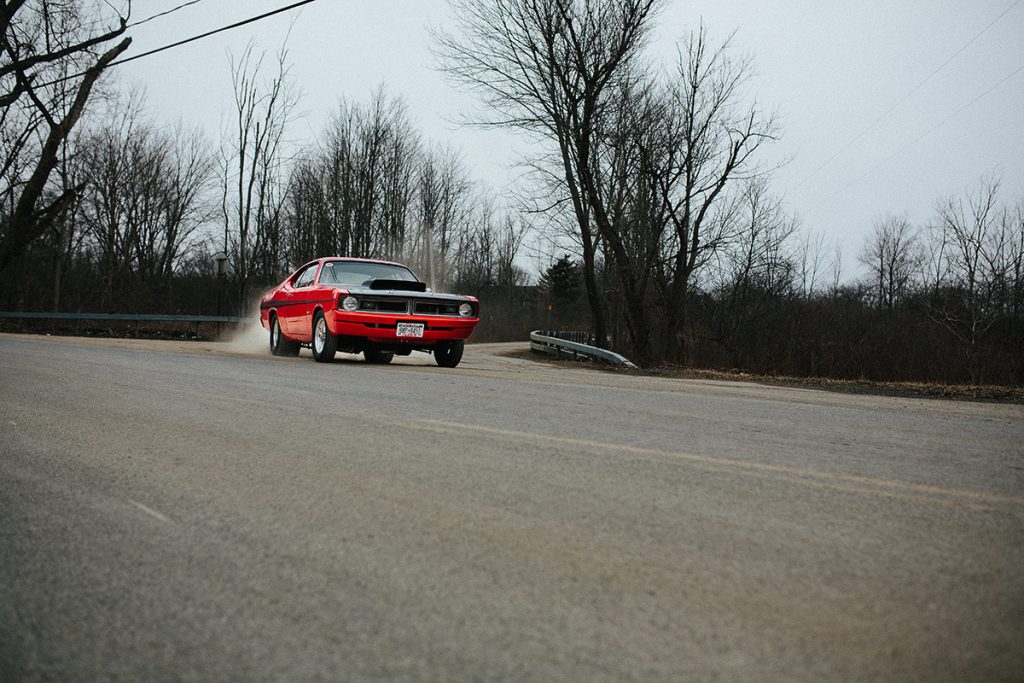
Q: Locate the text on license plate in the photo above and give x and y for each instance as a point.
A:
(409, 330)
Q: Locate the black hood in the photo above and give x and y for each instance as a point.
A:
(398, 285)
(403, 293)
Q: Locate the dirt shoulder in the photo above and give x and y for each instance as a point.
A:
(954, 392)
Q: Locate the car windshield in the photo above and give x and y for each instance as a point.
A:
(362, 272)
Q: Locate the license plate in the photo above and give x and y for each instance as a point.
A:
(409, 330)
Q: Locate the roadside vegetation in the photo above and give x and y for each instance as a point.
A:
(648, 191)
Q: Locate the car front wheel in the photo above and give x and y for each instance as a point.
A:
(324, 342)
(279, 345)
(448, 354)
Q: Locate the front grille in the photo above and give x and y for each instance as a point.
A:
(384, 305)
(436, 308)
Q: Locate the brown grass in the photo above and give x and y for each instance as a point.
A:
(955, 392)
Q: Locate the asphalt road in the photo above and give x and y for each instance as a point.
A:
(202, 512)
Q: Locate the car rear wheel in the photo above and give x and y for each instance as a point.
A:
(377, 356)
(325, 344)
(448, 354)
(279, 345)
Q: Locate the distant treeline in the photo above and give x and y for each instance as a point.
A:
(942, 302)
(137, 237)
(647, 179)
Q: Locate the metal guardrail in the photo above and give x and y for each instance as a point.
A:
(578, 336)
(544, 341)
(127, 317)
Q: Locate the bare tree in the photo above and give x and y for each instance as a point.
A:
(66, 233)
(835, 268)
(109, 156)
(145, 200)
(810, 261)
(372, 188)
(186, 204)
(476, 259)
(252, 162)
(755, 267)
(976, 265)
(53, 52)
(708, 140)
(643, 164)
(546, 67)
(368, 160)
(1013, 222)
(486, 247)
(398, 190)
(892, 256)
(442, 191)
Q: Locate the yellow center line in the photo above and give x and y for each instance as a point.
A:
(804, 474)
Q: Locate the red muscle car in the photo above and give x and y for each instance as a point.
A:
(377, 308)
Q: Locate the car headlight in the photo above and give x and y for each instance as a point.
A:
(349, 303)
(466, 310)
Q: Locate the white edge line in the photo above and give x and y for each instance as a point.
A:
(150, 511)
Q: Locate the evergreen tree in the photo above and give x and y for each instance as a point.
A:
(562, 280)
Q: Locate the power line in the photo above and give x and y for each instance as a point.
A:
(906, 96)
(215, 31)
(163, 14)
(915, 140)
(186, 40)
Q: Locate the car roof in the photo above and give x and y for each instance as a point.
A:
(324, 259)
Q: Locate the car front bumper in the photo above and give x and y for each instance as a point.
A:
(381, 328)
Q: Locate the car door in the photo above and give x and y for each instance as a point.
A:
(295, 314)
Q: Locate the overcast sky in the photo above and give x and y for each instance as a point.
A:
(831, 69)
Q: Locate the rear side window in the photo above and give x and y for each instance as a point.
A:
(305, 278)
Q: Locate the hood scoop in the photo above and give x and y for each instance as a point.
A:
(404, 285)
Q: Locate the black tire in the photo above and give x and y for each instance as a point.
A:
(448, 354)
(279, 344)
(324, 344)
(378, 357)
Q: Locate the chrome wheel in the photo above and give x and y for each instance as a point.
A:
(320, 337)
(325, 344)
